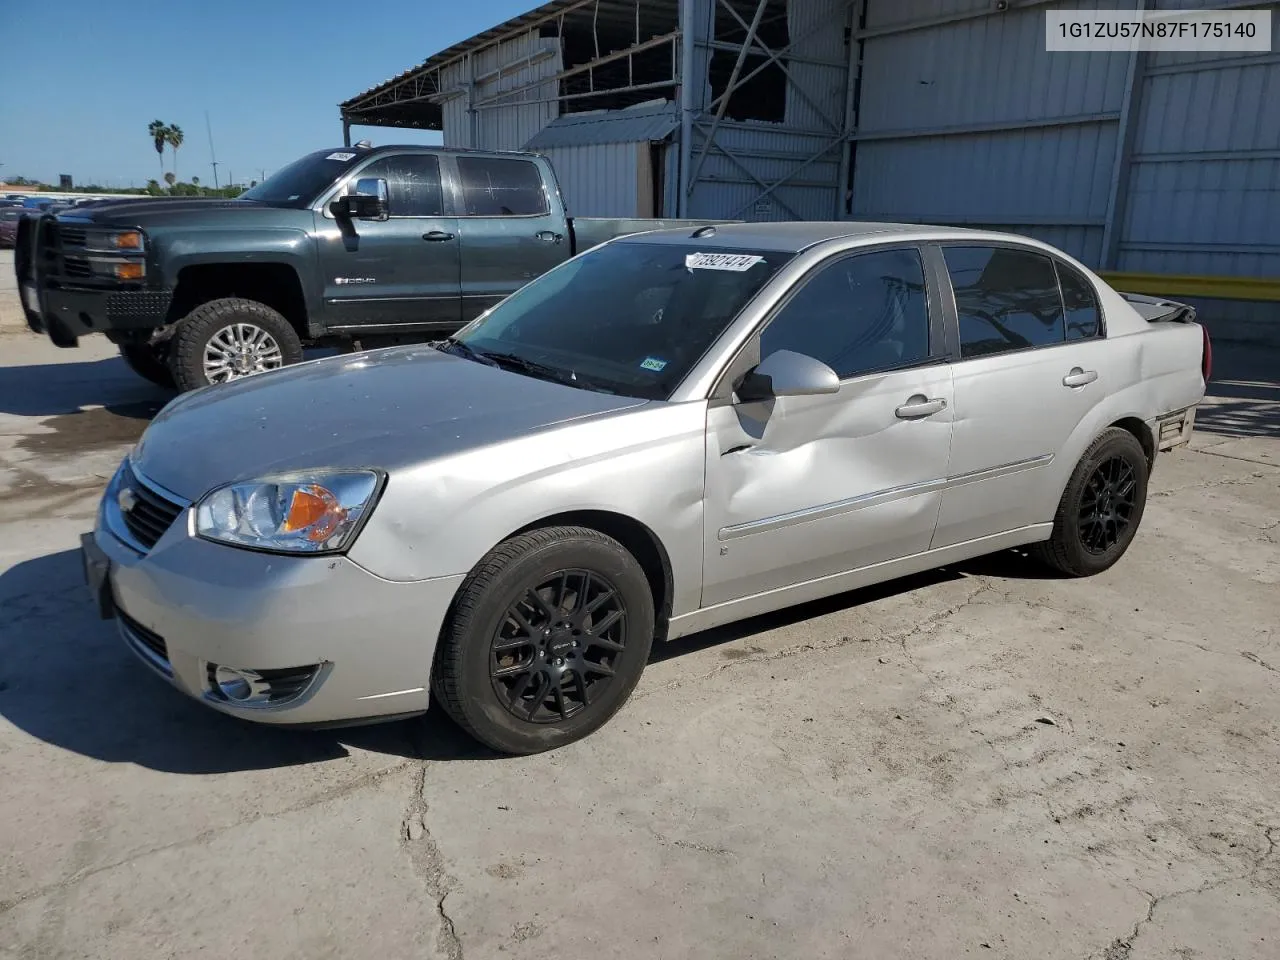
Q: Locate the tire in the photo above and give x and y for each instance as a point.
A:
(149, 361)
(520, 712)
(1080, 546)
(259, 327)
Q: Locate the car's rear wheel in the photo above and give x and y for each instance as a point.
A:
(1101, 507)
(149, 361)
(229, 339)
(546, 640)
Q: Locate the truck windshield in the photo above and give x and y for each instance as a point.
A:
(625, 318)
(299, 183)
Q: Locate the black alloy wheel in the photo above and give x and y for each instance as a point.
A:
(559, 645)
(1107, 505)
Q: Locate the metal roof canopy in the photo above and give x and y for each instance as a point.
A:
(638, 124)
(411, 99)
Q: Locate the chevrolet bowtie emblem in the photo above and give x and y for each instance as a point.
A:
(126, 499)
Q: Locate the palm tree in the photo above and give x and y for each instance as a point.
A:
(170, 177)
(174, 136)
(159, 137)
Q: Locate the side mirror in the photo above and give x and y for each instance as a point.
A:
(787, 374)
(369, 201)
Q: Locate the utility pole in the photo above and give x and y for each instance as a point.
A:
(213, 157)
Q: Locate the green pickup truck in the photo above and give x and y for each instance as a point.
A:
(350, 246)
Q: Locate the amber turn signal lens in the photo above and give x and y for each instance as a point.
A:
(315, 510)
(129, 240)
(130, 271)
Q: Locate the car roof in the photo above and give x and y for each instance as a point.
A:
(793, 237)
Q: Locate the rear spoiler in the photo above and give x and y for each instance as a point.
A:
(1159, 310)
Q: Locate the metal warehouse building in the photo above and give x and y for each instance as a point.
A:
(1163, 168)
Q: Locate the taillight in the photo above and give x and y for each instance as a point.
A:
(1206, 356)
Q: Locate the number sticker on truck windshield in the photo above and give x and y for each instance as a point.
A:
(734, 262)
(344, 157)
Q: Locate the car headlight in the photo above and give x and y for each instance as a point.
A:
(300, 513)
(116, 241)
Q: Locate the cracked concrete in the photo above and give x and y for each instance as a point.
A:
(980, 760)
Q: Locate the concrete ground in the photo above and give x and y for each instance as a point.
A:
(983, 761)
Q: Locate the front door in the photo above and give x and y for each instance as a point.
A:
(1029, 373)
(800, 488)
(402, 273)
(510, 231)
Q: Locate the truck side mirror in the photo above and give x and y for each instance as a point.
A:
(785, 373)
(369, 201)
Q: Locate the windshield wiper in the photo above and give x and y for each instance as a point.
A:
(453, 345)
(545, 371)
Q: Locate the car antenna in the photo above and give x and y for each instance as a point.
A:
(363, 145)
(701, 232)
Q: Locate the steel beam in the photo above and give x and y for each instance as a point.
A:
(687, 105)
(728, 90)
(998, 126)
(737, 162)
(1130, 106)
(778, 183)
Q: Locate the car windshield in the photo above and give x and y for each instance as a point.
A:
(298, 184)
(627, 318)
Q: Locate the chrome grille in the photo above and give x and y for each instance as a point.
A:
(151, 513)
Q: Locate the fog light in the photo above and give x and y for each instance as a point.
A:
(130, 271)
(241, 686)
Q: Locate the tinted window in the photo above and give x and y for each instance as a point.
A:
(629, 318)
(498, 187)
(1007, 299)
(861, 313)
(1083, 318)
(413, 184)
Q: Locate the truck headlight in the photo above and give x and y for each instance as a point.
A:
(302, 513)
(116, 241)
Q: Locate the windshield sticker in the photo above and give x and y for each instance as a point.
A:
(652, 363)
(734, 262)
(344, 157)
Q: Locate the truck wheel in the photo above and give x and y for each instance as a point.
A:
(229, 339)
(1101, 508)
(546, 640)
(149, 361)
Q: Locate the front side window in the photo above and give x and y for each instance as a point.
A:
(501, 187)
(626, 318)
(1007, 299)
(1083, 318)
(413, 184)
(862, 313)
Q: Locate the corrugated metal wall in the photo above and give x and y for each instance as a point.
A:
(600, 180)
(964, 118)
(507, 66)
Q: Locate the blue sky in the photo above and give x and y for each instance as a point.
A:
(81, 79)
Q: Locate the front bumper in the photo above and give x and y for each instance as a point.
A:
(187, 604)
(67, 313)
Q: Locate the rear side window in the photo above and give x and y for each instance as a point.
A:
(861, 313)
(413, 184)
(1084, 321)
(501, 187)
(1007, 299)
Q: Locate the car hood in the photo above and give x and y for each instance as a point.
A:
(147, 213)
(388, 409)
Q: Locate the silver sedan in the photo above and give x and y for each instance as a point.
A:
(669, 432)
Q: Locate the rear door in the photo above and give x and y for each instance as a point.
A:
(399, 273)
(511, 231)
(801, 488)
(1028, 373)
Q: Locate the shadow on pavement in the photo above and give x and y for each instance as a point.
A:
(52, 389)
(1242, 408)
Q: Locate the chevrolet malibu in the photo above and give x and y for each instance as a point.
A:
(669, 432)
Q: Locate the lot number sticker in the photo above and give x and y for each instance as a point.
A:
(344, 157)
(733, 262)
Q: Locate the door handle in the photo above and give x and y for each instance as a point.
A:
(920, 406)
(437, 236)
(548, 236)
(1078, 377)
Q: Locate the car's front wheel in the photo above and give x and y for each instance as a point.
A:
(1101, 507)
(546, 640)
(229, 339)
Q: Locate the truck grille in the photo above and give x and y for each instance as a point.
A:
(151, 513)
(71, 236)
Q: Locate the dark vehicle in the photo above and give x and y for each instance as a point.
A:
(9, 217)
(356, 245)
